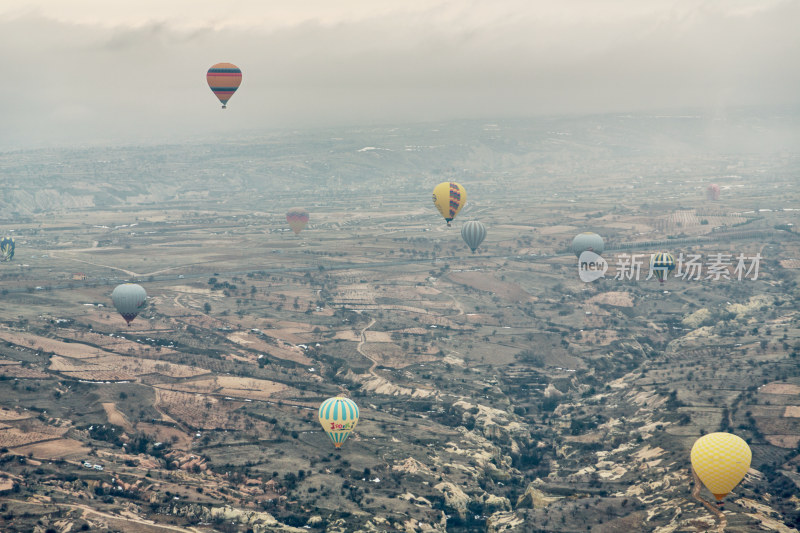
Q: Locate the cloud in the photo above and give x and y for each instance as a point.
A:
(71, 81)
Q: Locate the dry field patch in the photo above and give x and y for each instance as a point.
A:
(200, 411)
(117, 367)
(166, 434)
(68, 449)
(348, 335)
(483, 281)
(116, 417)
(235, 387)
(67, 349)
(10, 415)
(13, 437)
(18, 371)
(790, 263)
(111, 344)
(615, 298)
(392, 356)
(780, 388)
(783, 441)
(281, 351)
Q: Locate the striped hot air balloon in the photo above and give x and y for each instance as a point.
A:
(224, 79)
(449, 197)
(473, 233)
(721, 461)
(661, 264)
(297, 217)
(129, 299)
(338, 417)
(7, 248)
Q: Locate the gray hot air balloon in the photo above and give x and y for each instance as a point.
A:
(473, 233)
(587, 241)
(129, 299)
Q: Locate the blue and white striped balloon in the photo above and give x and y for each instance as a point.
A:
(338, 417)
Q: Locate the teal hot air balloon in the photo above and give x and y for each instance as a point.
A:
(338, 417)
(587, 241)
(7, 248)
(473, 233)
(661, 264)
(129, 299)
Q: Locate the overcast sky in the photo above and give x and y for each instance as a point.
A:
(126, 71)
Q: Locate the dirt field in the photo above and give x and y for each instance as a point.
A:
(483, 281)
(73, 350)
(618, 299)
(281, 351)
(10, 414)
(199, 412)
(117, 418)
(68, 449)
(120, 368)
(254, 389)
(780, 388)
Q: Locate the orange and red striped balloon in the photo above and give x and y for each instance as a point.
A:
(224, 79)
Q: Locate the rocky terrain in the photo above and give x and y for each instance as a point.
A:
(498, 392)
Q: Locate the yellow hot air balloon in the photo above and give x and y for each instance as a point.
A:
(449, 197)
(338, 417)
(720, 460)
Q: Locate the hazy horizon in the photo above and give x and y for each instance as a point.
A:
(97, 73)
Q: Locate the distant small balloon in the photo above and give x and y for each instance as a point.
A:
(224, 79)
(661, 264)
(129, 299)
(7, 248)
(473, 233)
(338, 417)
(297, 217)
(712, 192)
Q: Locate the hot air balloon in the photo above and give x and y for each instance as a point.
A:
(712, 192)
(449, 197)
(224, 79)
(661, 264)
(297, 217)
(7, 248)
(129, 299)
(587, 241)
(720, 460)
(338, 417)
(473, 233)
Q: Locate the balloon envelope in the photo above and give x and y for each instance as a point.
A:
(129, 299)
(297, 217)
(224, 79)
(661, 264)
(449, 197)
(7, 248)
(720, 460)
(587, 241)
(338, 417)
(473, 233)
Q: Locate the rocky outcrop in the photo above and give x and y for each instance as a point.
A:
(534, 498)
(454, 497)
